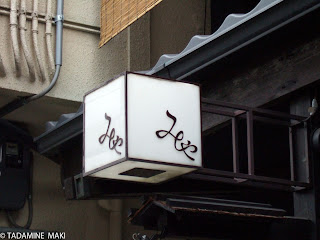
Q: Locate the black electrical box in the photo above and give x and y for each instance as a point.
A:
(15, 157)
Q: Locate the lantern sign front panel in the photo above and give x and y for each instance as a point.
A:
(104, 125)
(164, 120)
(141, 128)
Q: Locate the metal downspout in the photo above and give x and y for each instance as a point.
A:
(10, 107)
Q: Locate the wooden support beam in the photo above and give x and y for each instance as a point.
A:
(267, 80)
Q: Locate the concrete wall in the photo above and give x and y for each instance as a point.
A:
(166, 29)
(84, 65)
(174, 23)
(78, 219)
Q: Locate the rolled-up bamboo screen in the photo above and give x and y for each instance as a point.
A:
(116, 15)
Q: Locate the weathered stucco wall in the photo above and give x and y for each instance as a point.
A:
(84, 65)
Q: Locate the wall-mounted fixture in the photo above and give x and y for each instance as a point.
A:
(141, 128)
(15, 157)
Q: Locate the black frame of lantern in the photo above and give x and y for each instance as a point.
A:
(126, 157)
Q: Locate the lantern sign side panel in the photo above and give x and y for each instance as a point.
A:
(104, 126)
(164, 122)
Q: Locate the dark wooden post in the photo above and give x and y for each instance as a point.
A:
(304, 201)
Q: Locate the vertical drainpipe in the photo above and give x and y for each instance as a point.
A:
(59, 33)
(59, 27)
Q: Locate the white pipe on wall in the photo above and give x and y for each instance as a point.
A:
(49, 35)
(23, 29)
(20, 102)
(35, 40)
(66, 24)
(14, 36)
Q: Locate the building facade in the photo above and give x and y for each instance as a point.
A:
(262, 56)
(85, 66)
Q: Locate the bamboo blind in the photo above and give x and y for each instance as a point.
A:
(116, 15)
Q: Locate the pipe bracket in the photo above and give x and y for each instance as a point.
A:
(59, 18)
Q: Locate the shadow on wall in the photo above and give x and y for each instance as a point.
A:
(78, 219)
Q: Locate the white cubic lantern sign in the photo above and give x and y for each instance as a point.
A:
(141, 128)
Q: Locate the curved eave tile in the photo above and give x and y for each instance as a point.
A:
(232, 21)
